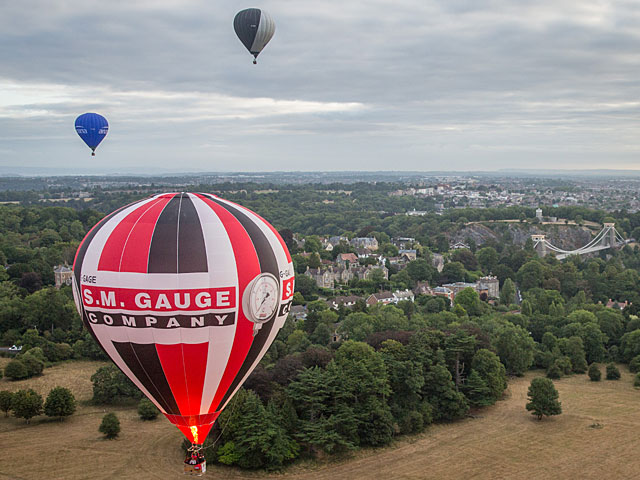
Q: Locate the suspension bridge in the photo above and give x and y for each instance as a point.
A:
(608, 237)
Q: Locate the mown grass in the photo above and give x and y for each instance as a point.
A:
(503, 441)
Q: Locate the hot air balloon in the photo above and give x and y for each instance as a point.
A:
(254, 28)
(92, 128)
(184, 292)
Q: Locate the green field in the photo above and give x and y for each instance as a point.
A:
(595, 438)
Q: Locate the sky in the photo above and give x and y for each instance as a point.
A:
(418, 85)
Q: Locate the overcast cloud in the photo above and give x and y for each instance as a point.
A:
(371, 85)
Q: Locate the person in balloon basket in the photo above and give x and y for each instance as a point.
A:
(194, 459)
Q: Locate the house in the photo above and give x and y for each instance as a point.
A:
(323, 278)
(298, 312)
(410, 255)
(417, 213)
(364, 273)
(347, 258)
(385, 298)
(444, 292)
(457, 287)
(402, 295)
(459, 246)
(345, 301)
(370, 243)
(618, 305)
(402, 242)
(490, 285)
(423, 288)
(63, 275)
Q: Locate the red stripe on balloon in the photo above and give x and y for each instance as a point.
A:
(113, 250)
(185, 366)
(248, 267)
(135, 256)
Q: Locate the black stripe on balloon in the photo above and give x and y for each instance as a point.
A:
(268, 263)
(163, 252)
(143, 361)
(246, 25)
(192, 253)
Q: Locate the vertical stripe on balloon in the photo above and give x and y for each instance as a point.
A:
(184, 366)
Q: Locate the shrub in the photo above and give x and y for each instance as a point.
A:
(564, 363)
(554, 371)
(147, 410)
(612, 372)
(111, 385)
(16, 370)
(636, 380)
(34, 365)
(110, 426)
(5, 401)
(634, 364)
(60, 403)
(26, 404)
(594, 372)
(35, 352)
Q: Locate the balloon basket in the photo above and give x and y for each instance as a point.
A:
(195, 464)
(195, 470)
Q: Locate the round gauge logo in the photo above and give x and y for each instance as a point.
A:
(260, 300)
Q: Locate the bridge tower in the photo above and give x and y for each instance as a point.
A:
(540, 243)
(611, 237)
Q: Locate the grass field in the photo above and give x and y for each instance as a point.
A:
(595, 438)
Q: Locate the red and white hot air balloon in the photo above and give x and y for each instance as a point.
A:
(185, 292)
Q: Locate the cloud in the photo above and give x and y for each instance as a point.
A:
(342, 84)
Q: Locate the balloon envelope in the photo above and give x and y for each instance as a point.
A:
(184, 292)
(254, 28)
(92, 128)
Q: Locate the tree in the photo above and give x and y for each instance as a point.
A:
(515, 348)
(636, 380)
(573, 348)
(470, 301)
(634, 364)
(543, 398)
(110, 426)
(530, 275)
(60, 403)
(6, 398)
(326, 423)
(420, 270)
(16, 370)
(147, 410)
(508, 292)
(477, 391)
(254, 437)
(594, 372)
(612, 372)
(111, 385)
(488, 366)
(487, 258)
(26, 404)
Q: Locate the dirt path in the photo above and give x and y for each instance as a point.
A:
(504, 442)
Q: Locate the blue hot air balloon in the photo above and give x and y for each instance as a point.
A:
(92, 128)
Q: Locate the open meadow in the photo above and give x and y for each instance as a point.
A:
(595, 438)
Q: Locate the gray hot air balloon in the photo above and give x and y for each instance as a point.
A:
(254, 28)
